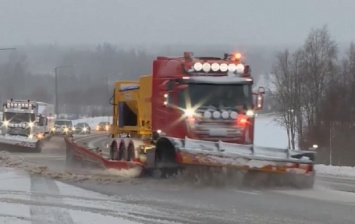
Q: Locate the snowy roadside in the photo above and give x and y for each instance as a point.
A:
(335, 171)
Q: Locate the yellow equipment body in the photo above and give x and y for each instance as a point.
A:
(135, 96)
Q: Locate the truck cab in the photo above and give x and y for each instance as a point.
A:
(26, 118)
(207, 98)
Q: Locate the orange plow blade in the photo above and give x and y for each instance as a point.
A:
(271, 165)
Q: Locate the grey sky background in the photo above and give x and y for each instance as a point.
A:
(236, 22)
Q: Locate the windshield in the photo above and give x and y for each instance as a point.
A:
(226, 96)
(19, 117)
(67, 123)
(82, 125)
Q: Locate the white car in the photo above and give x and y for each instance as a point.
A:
(63, 127)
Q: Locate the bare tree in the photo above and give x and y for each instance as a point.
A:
(319, 67)
(286, 81)
(302, 80)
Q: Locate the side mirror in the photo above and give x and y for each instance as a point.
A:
(259, 102)
(261, 90)
(166, 99)
(40, 121)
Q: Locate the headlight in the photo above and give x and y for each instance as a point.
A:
(30, 136)
(53, 129)
(85, 129)
(107, 127)
(250, 113)
(30, 124)
(66, 129)
(6, 123)
(39, 135)
(189, 112)
(240, 68)
(73, 128)
(216, 114)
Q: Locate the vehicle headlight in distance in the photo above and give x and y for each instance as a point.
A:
(66, 129)
(85, 129)
(6, 123)
(189, 112)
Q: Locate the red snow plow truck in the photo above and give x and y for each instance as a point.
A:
(198, 113)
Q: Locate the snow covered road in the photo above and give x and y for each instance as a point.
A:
(29, 199)
(26, 199)
(36, 199)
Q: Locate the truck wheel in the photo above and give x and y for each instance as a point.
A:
(130, 153)
(116, 153)
(121, 152)
(113, 151)
(165, 160)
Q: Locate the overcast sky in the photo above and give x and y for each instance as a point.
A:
(255, 22)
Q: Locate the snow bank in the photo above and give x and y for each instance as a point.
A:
(93, 121)
(90, 175)
(340, 171)
(268, 133)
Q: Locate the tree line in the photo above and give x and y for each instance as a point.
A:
(86, 87)
(314, 95)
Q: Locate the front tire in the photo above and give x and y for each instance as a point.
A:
(39, 146)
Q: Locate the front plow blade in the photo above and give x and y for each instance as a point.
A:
(20, 144)
(280, 167)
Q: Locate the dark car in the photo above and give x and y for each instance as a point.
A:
(82, 128)
(103, 126)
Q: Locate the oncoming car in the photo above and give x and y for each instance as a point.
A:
(103, 126)
(82, 128)
(63, 127)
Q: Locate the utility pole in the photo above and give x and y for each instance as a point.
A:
(108, 93)
(56, 85)
(330, 143)
(7, 49)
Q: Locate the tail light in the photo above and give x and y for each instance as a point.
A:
(242, 120)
